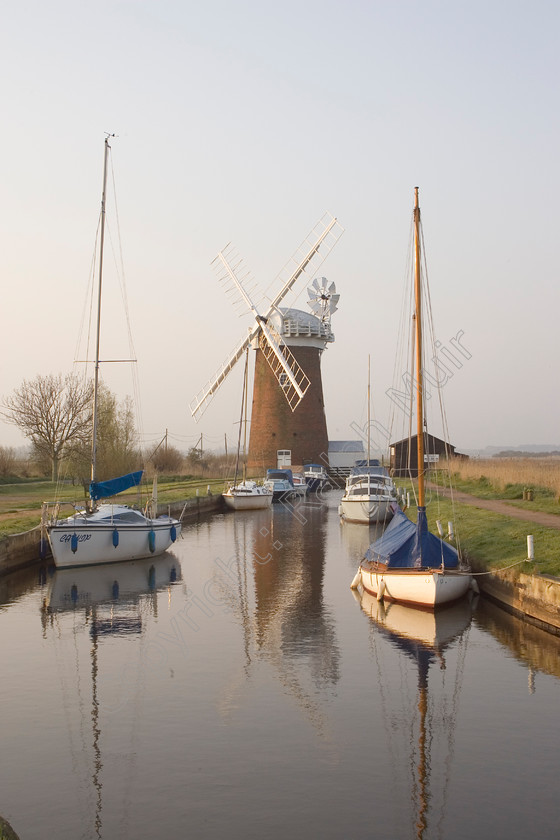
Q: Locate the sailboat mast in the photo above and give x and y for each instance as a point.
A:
(245, 389)
(418, 322)
(98, 330)
(243, 414)
(368, 408)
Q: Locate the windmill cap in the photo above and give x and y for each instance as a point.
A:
(299, 326)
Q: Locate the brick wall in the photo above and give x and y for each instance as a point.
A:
(273, 424)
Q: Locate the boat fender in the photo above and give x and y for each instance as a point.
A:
(474, 586)
(115, 538)
(74, 543)
(152, 541)
(357, 579)
(43, 549)
(74, 594)
(115, 590)
(381, 590)
(173, 533)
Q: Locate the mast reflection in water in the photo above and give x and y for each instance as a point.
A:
(110, 601)
(426, 722)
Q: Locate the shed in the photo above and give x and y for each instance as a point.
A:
(435, 450)
(344, 453)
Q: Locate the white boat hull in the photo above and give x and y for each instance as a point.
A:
(428, 588)
(247, 501)
(365, 510)
(79, 542)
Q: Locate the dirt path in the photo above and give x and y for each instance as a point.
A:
(548, 520)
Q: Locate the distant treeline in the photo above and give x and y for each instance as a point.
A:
(518, 453)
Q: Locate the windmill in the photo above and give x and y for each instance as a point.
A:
(285, 375)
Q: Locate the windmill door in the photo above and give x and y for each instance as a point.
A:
(283, 458)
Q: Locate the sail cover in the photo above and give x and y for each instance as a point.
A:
(104, 489)
(406, 545)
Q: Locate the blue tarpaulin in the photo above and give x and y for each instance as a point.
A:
(407, 545)
(104, 489)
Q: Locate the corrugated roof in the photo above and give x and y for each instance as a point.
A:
(346, 446)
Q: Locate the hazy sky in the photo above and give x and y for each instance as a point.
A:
(245, 122)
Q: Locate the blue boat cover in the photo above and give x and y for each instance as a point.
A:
(104, 489)
(405, 545)
(280, 474)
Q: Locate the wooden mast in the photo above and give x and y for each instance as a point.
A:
(419, 373)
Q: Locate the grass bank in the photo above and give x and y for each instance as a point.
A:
(496, 541)
(20, 503)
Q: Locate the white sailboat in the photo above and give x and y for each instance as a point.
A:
(105, 532)
(408, 563)
(246, 495)
(370, 494)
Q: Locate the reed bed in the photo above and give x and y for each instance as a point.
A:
(502, 473)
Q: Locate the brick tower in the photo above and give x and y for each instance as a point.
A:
(274, 426)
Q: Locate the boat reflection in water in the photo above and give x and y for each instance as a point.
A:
(426, 719)
(111, 600)
(112, 584)
(356, 538)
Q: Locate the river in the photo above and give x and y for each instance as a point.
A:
(236, 687)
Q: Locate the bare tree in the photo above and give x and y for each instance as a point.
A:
(167, 459)
(53, 412)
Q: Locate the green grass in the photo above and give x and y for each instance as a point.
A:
(20, 504)
(492, 541)
(543, 498)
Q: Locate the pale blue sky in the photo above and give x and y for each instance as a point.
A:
(245, 122)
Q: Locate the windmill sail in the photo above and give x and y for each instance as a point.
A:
(282, 362)
(284, 366)
(239, 282)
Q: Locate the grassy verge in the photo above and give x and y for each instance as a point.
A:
(544, 499)
(20, 504)
(494, 540)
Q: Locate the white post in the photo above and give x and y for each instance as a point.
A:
(530, 548)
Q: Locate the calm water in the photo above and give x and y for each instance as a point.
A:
(238, 688)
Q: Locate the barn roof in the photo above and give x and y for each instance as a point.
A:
(426, 434)
(346, 446)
